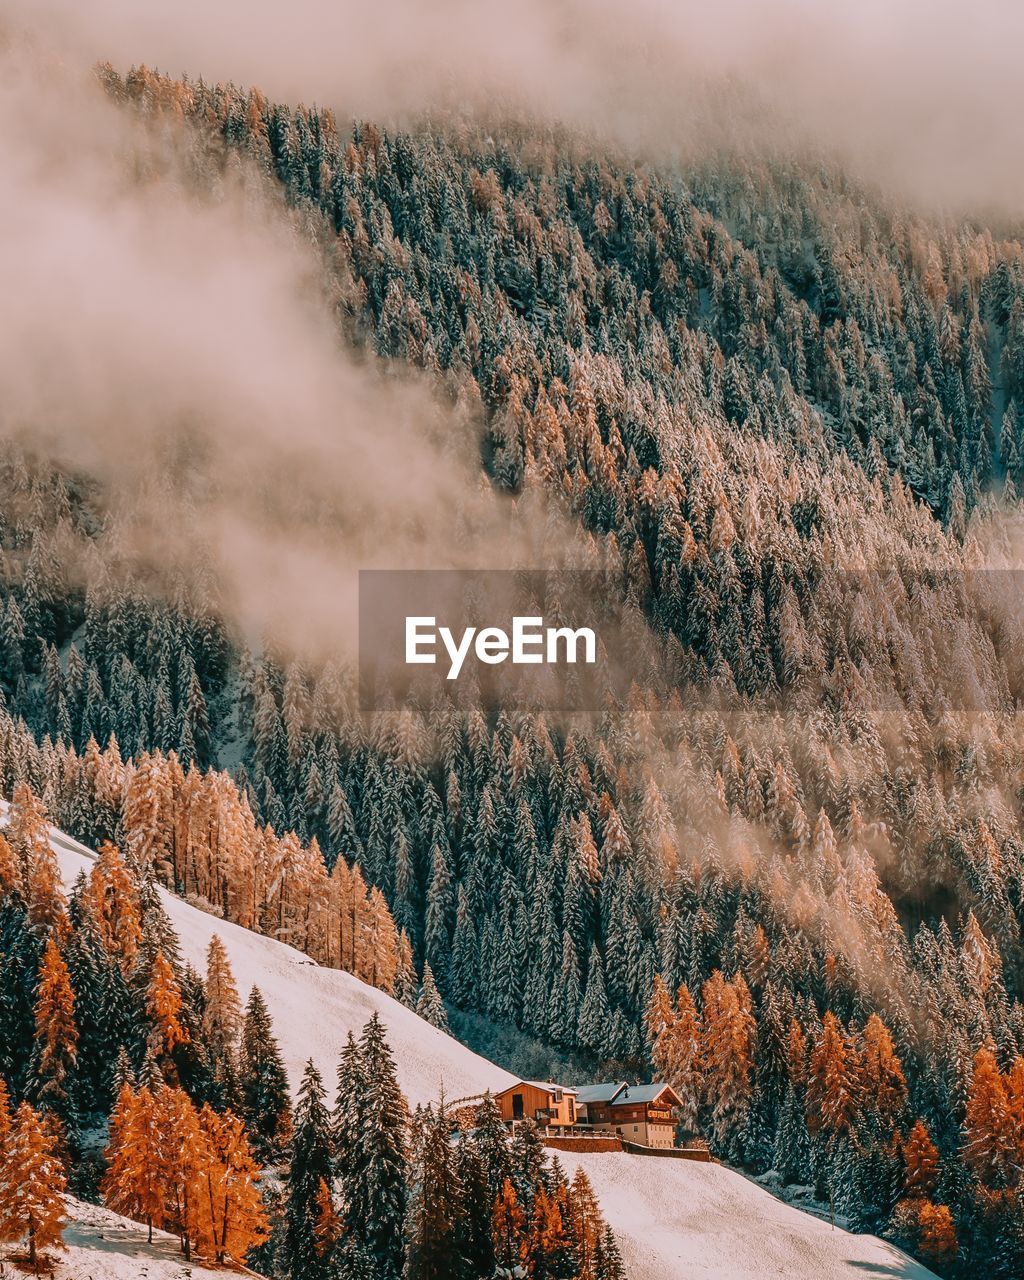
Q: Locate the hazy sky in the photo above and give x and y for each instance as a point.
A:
(929, 93)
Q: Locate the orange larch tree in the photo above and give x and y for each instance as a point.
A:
(882, 1082)
(10, 869)
(56, 1031)
(508, 1230)
(29, 835)
(164, 1005)
(921, 1161)
(133, 1182)
(112, 900)
(222, 1016)
(727, 1049)
(232, 1219)
(831, 1080)
(988, 1146)
(586, 1226)
(184, 1160)
(31, 1187)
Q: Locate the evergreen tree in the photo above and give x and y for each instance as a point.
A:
(374, 1171)
(309, 1167)
(263, 1082)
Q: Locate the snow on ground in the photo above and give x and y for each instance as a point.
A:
(314, 1008)
(679, 1220)
(674, 1219)
(104, 1246)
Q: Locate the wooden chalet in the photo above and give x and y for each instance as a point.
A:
(642, 1113)
(551, 1105)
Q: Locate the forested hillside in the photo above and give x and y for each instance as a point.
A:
(785, 873)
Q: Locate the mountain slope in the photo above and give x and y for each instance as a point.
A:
(104, 1246)
(674, 1220)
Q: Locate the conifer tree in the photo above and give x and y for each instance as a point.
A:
(491, 1138)
(831, 1081)
(549, 1248)
(222, 1015)
(310, 1165)
(508, 1232)
(31, 1186)
(135, 1155)
(233, 1219)
(374, 1171)
(473, 1231)
(351, 1101)
(112, 900)
(56, 1031)
(920, 1160)
(435, 1211)
(430, 1006)
(164, 1007)
(263, 1082)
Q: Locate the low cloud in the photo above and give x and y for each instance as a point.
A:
(924, 95)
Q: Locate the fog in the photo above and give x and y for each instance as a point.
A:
(170, 334)
(926, 96)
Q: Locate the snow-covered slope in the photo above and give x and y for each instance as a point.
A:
(675, 1220)
(314, 1009)
(104, 1246)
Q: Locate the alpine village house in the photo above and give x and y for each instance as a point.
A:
(640, 1113)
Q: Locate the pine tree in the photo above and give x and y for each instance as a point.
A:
(473, 1231)
(430, 1006)
(31, 1186)
(608, 1259)
(351, 1100)
(374, 1171)
(491, 1138)
(310, 1165)
(436, 1209)
(263, 1082)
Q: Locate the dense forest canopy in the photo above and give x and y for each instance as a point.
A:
(785, 870)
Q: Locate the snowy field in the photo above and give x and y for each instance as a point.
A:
(675, 1220)
(314, 1009)
(104, 1246)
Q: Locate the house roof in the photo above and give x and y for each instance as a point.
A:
(600, 1092)
(645, 1093)
(544, 1085)
(620, 1095)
